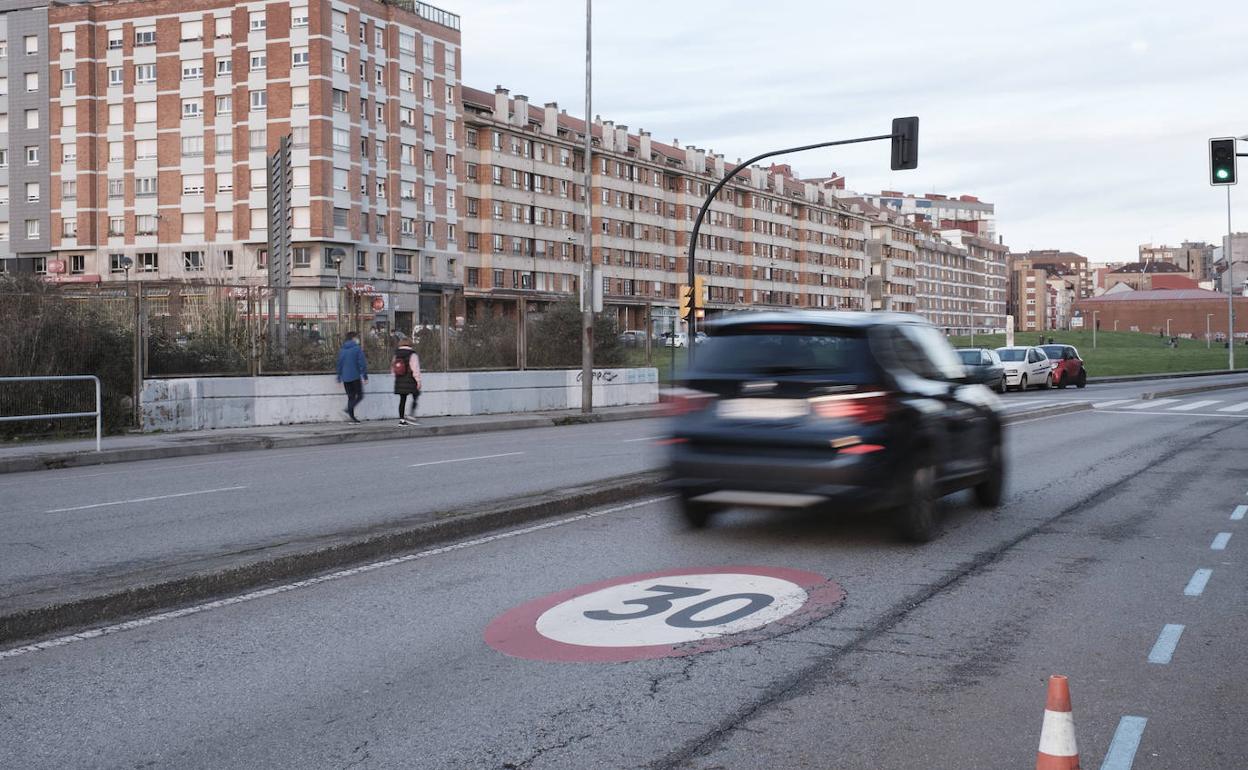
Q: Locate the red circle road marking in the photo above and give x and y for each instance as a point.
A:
(515, 632)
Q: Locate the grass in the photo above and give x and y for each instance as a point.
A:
(1122, 353)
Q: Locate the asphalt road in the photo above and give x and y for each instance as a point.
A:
(937, 656)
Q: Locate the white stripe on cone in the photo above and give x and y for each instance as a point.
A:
(1057, 736)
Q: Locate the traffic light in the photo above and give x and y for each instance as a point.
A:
(699, 292)
(905, 143)
(686, 297)
(1222, 161)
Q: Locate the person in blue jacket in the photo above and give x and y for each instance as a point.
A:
(352, 372)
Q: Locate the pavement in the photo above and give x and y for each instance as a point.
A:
(934, 656)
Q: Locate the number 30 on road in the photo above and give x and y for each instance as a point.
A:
(664, 614)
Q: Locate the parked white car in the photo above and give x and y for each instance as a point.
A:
(1026, 367)
(676, 340)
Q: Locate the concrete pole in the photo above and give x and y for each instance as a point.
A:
(587, 271)
(1230, 286)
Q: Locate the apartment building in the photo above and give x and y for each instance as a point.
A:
(1064, 263)
(163, 113)
(769, 240)
(24, 162)
(960, 281)
(1029, 298)
(941, 212)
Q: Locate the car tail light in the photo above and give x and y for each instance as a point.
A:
(872, 406)
(678, 401)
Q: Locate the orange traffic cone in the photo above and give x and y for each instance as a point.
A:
(1057, 737)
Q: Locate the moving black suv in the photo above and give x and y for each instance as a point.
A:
(861, 411)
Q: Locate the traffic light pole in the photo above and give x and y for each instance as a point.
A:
(1230, 286)
(706, 205)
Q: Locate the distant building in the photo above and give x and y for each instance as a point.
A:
(1057, 262)
(965, 212)
(1143, 276)
(1189, 312)
(1194, 257)
(1239, 252)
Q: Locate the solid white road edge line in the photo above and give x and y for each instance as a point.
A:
(144, 499)
(247, 597)
(1167, 641)
(1122, 748)
(1196, 586)
(1177, 414)
(1220, 541)
(465, 459)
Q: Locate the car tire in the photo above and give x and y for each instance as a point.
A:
(989, 490)
(917, 518)
(1048, 382)
(1022, 384)
(1082, 381)
(1002, 387)
(1061, 383)
(697, 515)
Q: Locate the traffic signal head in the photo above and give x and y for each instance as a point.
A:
(1222, 161)
(905, 144)
(699, 291)
(686, 300)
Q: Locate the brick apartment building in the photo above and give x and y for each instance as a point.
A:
(162, 115)
(1195, 258)
(961, 281)
(966, 213)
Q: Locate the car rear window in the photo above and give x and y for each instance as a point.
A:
(1054, 351)
(783, 349)
(969, 357)
(1013, 354)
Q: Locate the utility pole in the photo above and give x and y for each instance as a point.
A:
(280, 182)
(1230, 287)
(587, 266)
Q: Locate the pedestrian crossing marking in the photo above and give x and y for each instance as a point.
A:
(1193, 405)
(1152, 404)
(1235, 408)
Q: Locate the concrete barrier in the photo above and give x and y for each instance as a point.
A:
(199, 403)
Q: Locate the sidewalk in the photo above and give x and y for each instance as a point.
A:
(36, 456)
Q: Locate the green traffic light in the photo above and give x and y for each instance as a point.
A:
(1222, 173)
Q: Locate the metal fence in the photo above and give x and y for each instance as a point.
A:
(46, 391)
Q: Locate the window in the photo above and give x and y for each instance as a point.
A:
(192, 108)
(4, 236)
(381, 113)
(116, 263)
(429, 124)
(299, 96)
(299, 16)
(225, 222)
(192, 30)
(407, 82)
(227, 258)
(450, 201)
(450, 163)
(32, 82)
(225, 183)
(381, 188)
(428, 196)
(407, 153)
(69, 190)
(116, 188)
(4, 86)
(225, 66)
(379, 76)
(69, 116)
(407, 116)
(299, 136)
(224, 105)
(301, 176)
(341, 139)
(340, 61)
(259, 100)
(381, 224)
(407, 226)
(407, 42)
(428, 229)
(428, 51)
(69, 228)
(68, 78)
(145, 224)
(69, 153)
(32, 156)
(146, 73)
(116, 226)
(191, 70)
(403, 263)
(340, 100)
(223, 26)
(192, 184)
(340, 217)
(77, 262)
(299, 57)
(32, 229)
(259, 61)
(450, 94)
(114, 76)
(32, 192)
(192, 145)
(4, 195)
(257, 139)
(258, 21)
(144, 112)
(259, 178)
(32, 118)
(145, 186)
(340, 21)
(224, 143)
(114, 39)
(145, 36)
(193, 261)
(32, 44)
(428, 92)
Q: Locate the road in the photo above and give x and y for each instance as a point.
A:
(937, 656)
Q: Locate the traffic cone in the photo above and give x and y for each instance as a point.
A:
(1057, 737)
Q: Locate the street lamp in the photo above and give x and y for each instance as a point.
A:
(1208, 332)
(1167, 327)
(335, 255)
(1095, 324)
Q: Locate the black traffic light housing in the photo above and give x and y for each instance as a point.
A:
(1222, 161)
(905, 144)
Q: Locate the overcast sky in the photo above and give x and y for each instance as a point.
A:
(1086, 123)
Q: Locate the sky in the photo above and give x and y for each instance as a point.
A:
(1085, 122)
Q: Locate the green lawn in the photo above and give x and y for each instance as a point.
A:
(1123, 352)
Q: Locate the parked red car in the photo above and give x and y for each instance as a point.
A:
(1067, 365)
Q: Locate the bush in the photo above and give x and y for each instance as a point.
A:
(554, 338)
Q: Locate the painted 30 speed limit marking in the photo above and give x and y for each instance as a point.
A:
(664, 614)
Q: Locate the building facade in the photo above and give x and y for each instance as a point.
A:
(163, 113)
(25, 184)
(942, 212)
(961, 281)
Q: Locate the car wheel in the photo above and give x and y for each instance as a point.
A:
(1001, 386)
(988, 492)
(697, 515)
(917, 519)
(1082, 382)
(1061, 383)
(1048, 381)
(1022, 383)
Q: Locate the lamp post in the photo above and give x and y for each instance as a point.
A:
(335, 255)
(1095, 324)
(1208, 332)
(1167, 327)
(587, 265)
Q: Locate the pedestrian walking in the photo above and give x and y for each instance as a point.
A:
(406, 370)
(352, 372)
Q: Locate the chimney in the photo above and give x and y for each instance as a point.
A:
(550, 119)
(608, 135)
(644, 144)
(521, 115)
(758, 178)
(700, 158)
(691, 157)
(502, 105)
(621, 138)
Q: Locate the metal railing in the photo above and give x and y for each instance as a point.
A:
(97, 414)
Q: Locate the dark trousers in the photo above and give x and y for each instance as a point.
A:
(403, 404)
(355, 394)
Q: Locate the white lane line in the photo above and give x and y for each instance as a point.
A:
(1239, 512)
(1107, 404)
(1193, 406)
(1235, 408)
(252, 596)
(1167, 640)
(466, 459)
(1220, 541)
(1156, 402)
(144, 499)
(1196, 586)
(1181, 414)
(643, 438)
(1122, 748)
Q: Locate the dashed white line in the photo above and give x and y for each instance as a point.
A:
(1193, 406)
(1196, 586)
(1239, 512)
(1167, 641)
(643, 438)
(144, 499)
(1153, 404)
(1220, 541)
(1235, 408)
(220, 603)
(465, 459)
(1126, 742)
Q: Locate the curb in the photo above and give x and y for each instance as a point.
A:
(1047, 411)
(1194, 389)
(56, 461)
(1162, 376)
(343, 549)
